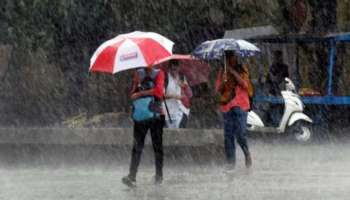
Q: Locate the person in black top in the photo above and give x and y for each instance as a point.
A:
(278, 71)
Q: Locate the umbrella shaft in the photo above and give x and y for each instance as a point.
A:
(225, 69)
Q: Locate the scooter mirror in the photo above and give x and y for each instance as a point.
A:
(289, 85)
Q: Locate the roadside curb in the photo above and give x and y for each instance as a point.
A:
(106, 136)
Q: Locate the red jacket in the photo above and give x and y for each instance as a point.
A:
(158, 90)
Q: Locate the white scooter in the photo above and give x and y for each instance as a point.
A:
(293, 121)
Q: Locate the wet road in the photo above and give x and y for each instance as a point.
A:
(280, 171)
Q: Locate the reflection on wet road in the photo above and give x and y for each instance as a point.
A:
(280, 171)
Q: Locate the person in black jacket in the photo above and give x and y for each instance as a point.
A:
(278, 71)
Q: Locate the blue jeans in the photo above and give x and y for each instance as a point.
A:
(235, 123)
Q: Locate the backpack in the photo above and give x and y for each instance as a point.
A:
(251, 89)
(148, 107)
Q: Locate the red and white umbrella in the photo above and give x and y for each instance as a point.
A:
(195, 70)
(131, 50)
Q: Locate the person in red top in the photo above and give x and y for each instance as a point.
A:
(153, 86)
(232, 86)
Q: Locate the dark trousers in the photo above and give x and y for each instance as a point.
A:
(235, 122)
(140, 132)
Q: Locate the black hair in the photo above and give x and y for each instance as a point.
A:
(174, 62)
(240, 69)
(229, 53)
(278, 53)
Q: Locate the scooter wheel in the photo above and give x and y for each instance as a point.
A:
(301, 132)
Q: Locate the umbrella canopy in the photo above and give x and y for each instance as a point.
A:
(214, 49)
(131, 50)
(193, 69)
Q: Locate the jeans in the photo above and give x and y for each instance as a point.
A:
(140, 130)
(235, 122)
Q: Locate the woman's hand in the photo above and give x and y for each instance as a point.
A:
(169, 96)
(135, 95)
(178, 97)
(232, 71)
(238, 78)
(182, 83)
